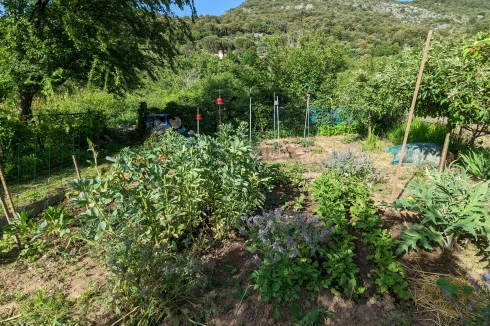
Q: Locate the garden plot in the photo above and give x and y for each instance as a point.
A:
(321, 253)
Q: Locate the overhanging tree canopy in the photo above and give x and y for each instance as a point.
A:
(43, 43)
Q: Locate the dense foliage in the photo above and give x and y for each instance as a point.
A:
(158, 204)
(345, 200)
(451, 206)
(113, 44)
(286, 248)
(477, 163)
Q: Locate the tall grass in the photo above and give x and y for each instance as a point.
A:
(420, 132)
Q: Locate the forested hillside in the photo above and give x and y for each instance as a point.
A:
(378, 27)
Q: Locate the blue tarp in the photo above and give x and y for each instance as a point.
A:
(417, 153)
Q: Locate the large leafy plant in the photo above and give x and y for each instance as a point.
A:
(477, 163)
(157, 204)
(451, 206)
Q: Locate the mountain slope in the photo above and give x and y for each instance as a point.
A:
(367, 27)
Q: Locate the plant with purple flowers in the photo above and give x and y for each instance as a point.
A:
(285, 248)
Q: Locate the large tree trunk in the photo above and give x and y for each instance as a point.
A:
(24, 105)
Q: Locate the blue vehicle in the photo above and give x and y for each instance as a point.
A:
(163, 121)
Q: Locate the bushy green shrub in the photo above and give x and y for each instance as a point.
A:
(477, 163)
(359, 165)
(342, 128)
(155, 204)
(451, 207)
(346, 201)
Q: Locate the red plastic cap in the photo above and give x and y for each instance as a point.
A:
(199, 117)
(220, 101)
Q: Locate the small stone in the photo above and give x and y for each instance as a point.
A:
(271, 321)
(367, 318)
(347, 315)
(307, 304)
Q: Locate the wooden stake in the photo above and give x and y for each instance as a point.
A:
(6, 189)
(76, 166)
(5, 209)
(442, 164)
(7, 194)
(410, 115)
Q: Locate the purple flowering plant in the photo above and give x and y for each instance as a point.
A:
(285, 246)
(279, 235)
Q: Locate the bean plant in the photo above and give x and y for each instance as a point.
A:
(157, 204)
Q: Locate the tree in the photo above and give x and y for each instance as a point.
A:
(111, 44)
(374, 92)
(456, 87)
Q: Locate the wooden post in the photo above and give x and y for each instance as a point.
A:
(7, 194)
(4, 207)
(442, 164)
(410, 115)
(76, 166)
(6, 189)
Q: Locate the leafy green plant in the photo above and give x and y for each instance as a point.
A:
(285, 247)
(451, 207)
(306, 143)
(55, 221)
(346, 200)
(316, 317)
(477, 163)
(158, 205)
(340, 129)
(371, 143)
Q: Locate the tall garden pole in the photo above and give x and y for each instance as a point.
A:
(274, 116)
(278, 128)
(250, 115)
(308, 94)
(410, 115)
(220, 102)
(198, 118)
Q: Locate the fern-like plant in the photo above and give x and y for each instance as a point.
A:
(451, 206)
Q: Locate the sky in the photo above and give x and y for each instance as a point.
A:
(211, 7)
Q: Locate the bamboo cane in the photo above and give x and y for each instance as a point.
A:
(76, 166)
(410, 115)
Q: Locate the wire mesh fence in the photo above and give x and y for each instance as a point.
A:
(38, 161)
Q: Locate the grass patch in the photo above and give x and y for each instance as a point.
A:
(420, 132)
